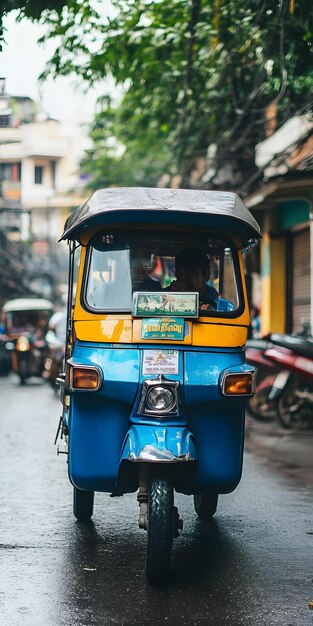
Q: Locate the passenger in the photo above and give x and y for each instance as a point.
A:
(142, 267)
(255, 324)
(57, 324)
(192, 269)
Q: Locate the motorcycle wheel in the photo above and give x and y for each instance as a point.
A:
(22, 375)
(205, 505)
(22, 372)
(160, 530)
(258, 409)
(83, 504)
(291, 412)
(258, 405)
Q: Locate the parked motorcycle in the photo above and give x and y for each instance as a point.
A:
(260, 406)
(293, 386)
(284, 382)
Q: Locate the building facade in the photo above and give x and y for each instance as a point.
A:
(39, 170)
(283, 204)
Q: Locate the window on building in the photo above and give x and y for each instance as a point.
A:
(10, 172)
(38, 174)
(5, 121)
(53, 172)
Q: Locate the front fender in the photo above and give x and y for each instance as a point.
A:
(279, 384)
(158, 444)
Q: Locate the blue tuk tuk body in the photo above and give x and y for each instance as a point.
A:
(122, 366)
(106, 434)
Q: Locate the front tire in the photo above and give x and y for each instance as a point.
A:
(83, 505)
(160, 530)
(205, 505)
(22, 371)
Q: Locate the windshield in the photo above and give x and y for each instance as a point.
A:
(27, 321)
(121, 264)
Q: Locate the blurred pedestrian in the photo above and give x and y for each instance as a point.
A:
(255, 322)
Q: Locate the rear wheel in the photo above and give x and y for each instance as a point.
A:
(286, 408)
(259, 406)
(205, 505)
(292, 412)
(160, 530)
(83, 504)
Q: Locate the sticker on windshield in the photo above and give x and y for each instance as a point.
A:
(165, 303)
(160, 362)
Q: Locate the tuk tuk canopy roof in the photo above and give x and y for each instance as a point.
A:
(27, 304)
(220, 210)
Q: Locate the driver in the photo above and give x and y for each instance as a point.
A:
(192, 269)
(142, 267)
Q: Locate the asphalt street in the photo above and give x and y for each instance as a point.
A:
(252, 566)
(288, 452)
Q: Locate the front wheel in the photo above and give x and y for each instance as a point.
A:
(160, 530)
(205, 505)
(22, 371)
(83, 504)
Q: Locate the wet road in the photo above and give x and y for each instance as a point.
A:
(252, 566)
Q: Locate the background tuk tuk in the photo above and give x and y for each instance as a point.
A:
(26, 322)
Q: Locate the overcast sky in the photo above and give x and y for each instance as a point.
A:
(21, 62)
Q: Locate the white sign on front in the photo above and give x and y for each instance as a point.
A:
(160, 362)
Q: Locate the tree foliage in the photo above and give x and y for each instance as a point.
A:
(193, 74)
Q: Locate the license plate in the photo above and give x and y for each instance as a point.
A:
(159, 328)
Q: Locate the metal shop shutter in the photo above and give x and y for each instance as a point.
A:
(300, 279)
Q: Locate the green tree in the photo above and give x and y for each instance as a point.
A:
(193, 74)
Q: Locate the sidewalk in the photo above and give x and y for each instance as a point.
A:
(288, 452)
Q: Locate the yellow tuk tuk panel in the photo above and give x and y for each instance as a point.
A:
(107, 330)
(219, 336)
(127, 331)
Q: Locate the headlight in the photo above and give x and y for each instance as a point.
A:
(22, 344)
(9, 345)
(160, 399)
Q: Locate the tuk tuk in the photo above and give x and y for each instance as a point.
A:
(26, 322)
(156, 382)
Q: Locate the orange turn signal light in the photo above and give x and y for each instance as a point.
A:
(85, 378)
(238, 384)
